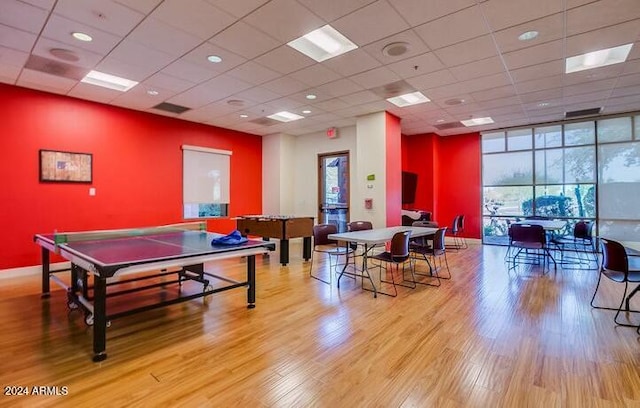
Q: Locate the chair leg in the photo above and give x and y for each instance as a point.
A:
(433, 272)
(393, 282)
(619, 308)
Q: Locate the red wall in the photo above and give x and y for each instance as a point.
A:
(137, 169)
(449, 181)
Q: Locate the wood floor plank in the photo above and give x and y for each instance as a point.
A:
(489, 337)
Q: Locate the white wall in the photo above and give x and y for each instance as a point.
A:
(277, 160)
(305, 165)
(371, 143)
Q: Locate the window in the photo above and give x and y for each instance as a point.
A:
(205, 182)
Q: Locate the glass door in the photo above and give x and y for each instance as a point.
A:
(333, 191)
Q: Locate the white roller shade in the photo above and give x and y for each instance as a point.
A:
(205, 175)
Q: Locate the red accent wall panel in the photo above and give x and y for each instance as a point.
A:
(449, 181)
(393, 169)
(137, 169)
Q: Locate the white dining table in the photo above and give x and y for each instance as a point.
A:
(548, 225)
(371, 238)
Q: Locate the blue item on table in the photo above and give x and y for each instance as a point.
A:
(233, 238)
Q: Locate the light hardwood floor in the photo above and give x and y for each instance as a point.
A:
(486, 338)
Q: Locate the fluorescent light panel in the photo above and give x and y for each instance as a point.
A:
(409, 99)
(597, 59)
(109, 81)
(324, 43)
(285, 116)
(477, 121)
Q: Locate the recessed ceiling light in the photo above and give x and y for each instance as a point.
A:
(477, 121)
(543, 104)
(311, 96)
(152, 92)
(413, 98)
(596, 59)
(306, 112)
(243, 116)
(439, 120)
(214, 58)
(321, 44)
(109, 81)
(82, 36)
(528, 35)
(285, 116)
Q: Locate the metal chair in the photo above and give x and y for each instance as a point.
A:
(397, 255)
(435, 251)
(527, 237)
(322, 244)
(620, 268)
(582, 242)
(358, 226)
(457, 226)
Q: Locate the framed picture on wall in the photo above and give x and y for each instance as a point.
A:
(65, 167)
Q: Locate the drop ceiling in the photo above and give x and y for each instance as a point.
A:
(462, 54)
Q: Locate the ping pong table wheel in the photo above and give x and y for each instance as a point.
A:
(88, 319)
(207, 298)
(71, 303)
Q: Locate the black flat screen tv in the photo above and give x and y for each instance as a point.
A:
(409, 185)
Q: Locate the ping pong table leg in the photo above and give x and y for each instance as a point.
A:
(99, 319)
(251, 279)
(46, 268)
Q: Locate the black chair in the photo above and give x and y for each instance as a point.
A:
(533, 241)
(582, 243)
(358, 226)
(322, 244)
(454, 232)
(397, 255)
(620, 268)
(422, 250)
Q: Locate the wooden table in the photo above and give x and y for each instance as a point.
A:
(279, 227)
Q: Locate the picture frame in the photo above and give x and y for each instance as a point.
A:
(65, 167)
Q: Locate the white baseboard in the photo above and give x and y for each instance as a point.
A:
(21, 272)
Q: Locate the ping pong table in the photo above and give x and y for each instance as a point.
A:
(106, 257)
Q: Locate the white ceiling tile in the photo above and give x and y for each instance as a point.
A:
(238, 8)
(540, 84)
(124, 69)
(443, 92)
(468, 24)
(549, 28)
(489, 81)
(590, 75)
(467, 51)
(285, 86)
(375, 77)
(245, 40)
(23, 16)
(603, 85)
(628, 80)
(169, 82)
(214, 89)
(104, 15)
(198, 56)
(93, 93)
(495, 93)
(631, 67)
(85, 58)
(331, 105)
(330, 10)
(365, 26)
(340, 87)
(601, 14)
(138, 54)
(16, 39)
(284, 19)
(596, 98)
(143, 6)
(257, 95)
(432, 80)
(417, 12)
(45, 82)
(281, 104)
(414, 45)
(418, 65)
(625, 33)
(625, 91)
(285, 60)
(60, 29)
(506, 13)
(12, 58)
(315, 75)
(138, 98)
(477, 69)
(535, 55)
(546, 69)
(359, 98)
(161, 36)
(541, 96)
(199, 18)
(253, 73)
(43, 4)
(189, 71)
(351, 63)
(500, 102)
